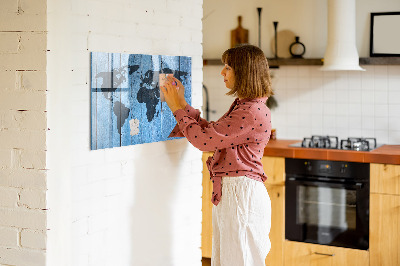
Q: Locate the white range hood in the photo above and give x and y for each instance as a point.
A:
(341, 51)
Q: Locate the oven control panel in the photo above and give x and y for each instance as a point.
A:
(337, 169)
(325, 167)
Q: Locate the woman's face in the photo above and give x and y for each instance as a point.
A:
(229, 76)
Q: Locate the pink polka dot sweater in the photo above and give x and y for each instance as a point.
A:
(238, 139)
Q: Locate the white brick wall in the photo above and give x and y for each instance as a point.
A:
(33, 239)
(11, 256)
(23, 132)
(8, 197)
(135, 205)
(9, 237)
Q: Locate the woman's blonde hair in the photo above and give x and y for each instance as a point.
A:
(250, 66)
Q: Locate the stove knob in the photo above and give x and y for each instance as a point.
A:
(343, 168)
(308, 166)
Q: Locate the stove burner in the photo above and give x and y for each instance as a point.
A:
(358, 144)
(328, 142)
(332, 142)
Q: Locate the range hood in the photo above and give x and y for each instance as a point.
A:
(341, 51)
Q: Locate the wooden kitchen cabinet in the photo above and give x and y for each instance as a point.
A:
(385, 215)
(385, 178)
(384, 236)
(305, 254)
(274, 168)
(277, 233)
(206, 225)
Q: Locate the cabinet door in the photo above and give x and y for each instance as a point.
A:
(274, 168)
(385, 178)
(384, 230)
(206, 226)
(304, 254)
(277, 233)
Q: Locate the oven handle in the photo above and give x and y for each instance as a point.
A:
(324, 254)
(357, 185)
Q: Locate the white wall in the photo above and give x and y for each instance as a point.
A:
(311, 102)
(23, 133)
(306, 19)
(135, 205)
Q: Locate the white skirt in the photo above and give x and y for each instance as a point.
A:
(241, 223)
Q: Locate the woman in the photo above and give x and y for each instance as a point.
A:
(242, 211)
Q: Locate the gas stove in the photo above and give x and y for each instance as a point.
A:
(332, 142)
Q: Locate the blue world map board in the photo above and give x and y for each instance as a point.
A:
(126, 106)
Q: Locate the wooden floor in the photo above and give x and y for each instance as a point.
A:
(206, 261)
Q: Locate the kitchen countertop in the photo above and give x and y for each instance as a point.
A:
(389, 154)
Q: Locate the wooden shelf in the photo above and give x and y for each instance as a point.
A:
(380, 61)
(274, 63)
(212, 62)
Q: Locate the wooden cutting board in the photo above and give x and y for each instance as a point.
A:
(239, 35)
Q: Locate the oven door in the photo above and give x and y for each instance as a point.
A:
(327, 213)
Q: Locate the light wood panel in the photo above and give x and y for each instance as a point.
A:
(384, 230)
(277, 233)
(206, 232)
(274, 168)
(385, 178)
(304, 254)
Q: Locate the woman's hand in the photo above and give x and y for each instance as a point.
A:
(172, 90)
(181, 90)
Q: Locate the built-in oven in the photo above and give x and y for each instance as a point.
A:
(327, 202)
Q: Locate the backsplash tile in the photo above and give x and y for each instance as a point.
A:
(314, 102)
(343, 103)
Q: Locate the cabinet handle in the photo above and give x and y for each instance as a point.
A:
(324, 254)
